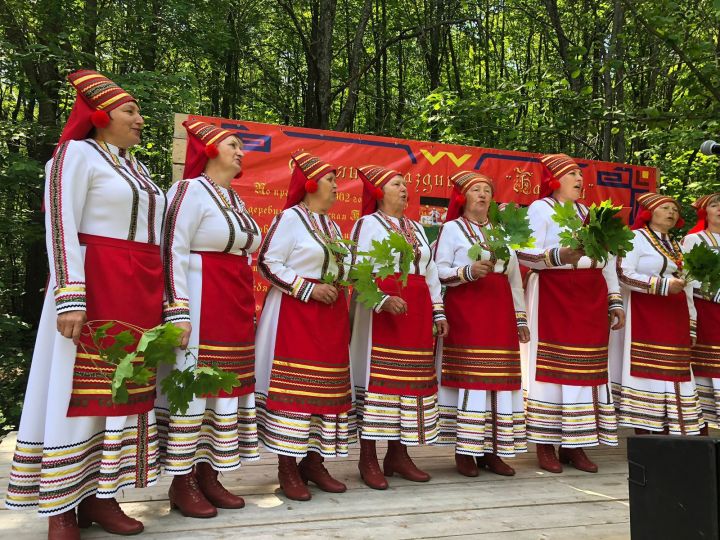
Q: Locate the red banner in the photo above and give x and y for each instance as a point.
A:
(427, 167)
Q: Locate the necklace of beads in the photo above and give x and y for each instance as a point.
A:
(227, 202)
(324, 237)
(405, 228)
(674, 254)
(474, 236)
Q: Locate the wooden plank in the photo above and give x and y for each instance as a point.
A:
(179, 129)
(400, 499)
(178, 151)
(534, 504)
(545, 521)
(177, 173)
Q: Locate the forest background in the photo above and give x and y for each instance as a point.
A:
(615, 80)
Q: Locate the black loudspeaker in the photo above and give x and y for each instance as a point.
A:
(674, 486)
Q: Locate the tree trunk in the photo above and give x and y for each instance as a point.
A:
(88, 43)
(347, 114)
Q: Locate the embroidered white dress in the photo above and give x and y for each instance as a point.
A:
(560, 413)
(648, 403)
(708, 388)
(221, 431)
(466, 415)
(292, 255)
(96, 189)
(413, 420)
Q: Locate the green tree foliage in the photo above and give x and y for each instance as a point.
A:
(627, 80)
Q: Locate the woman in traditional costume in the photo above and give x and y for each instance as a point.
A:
(304, 396)
(705, 354)
(657, 391)
(392, 349)
(208, 242)
(103, 216)
(481, 401)
(569, 297)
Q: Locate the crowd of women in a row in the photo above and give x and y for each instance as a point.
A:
(316, 376)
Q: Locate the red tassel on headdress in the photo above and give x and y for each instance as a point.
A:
(554, 184)
(211, 151)
(680, 223)
(373, 178)
(311, 186)
(699, 206)
(100, 119)
(642, 218)
(456, 205)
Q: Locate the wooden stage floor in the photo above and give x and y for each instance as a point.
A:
(532, 505)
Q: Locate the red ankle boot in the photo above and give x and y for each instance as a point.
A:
(108, 514)
(494, 464)
(63, 526)
(578, 458)
(214, 491)
(369, 467)
(290, 481)
(546, 458)
(397, 460)
(185, 495)
(312, 470)
(466, 465)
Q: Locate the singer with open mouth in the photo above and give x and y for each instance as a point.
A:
(392, 351)
(565, 364)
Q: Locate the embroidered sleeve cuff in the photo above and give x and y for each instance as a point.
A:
(467, 274)
(658, 286)
(379, 305)
(176, 312)
(438, 312)
(693, 328)
(457, 279)
(552, 257)
(615, 301)
(521, 318)
(70, 298)
(302, 289)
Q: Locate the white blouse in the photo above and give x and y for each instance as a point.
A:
(545, 255)
(712, 240)
(295, 251)
(94, 188)
(456, 237)
(648, 268)
(202, 216)
(378, 226)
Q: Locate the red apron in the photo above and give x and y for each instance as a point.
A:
(227, 330)
(660, 347)
(124, 283)
(311, 366)
(482, 351)
(573, 327)
(402, 360)
(706, 352)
